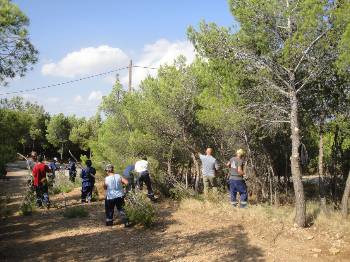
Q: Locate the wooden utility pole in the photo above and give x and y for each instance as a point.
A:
(130, 76)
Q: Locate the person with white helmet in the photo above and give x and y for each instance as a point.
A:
(54, 165)
(236, 181)
(114, 196)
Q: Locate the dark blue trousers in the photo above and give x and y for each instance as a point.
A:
(42, 195)
(238, 186)
(109, 207)
(86, 193)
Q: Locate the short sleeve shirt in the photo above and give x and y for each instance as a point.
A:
(128, 171)
(141, 166)
(114, 186)
(39, 172)
(235, 163)
(209, 165)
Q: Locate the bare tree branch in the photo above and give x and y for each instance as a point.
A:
(308, 49)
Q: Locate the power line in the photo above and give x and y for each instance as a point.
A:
(73, 81)
(146, 67)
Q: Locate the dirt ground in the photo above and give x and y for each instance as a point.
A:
(190, 231)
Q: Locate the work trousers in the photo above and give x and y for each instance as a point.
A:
(209, 182)
(144, 177)
(238, 186)
(86, 193)
(109, 207)
(42, 195)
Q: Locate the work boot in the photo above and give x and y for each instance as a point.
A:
(127, 224)
(243, 204)
(109, 223)
(152, 198)
(234, 204)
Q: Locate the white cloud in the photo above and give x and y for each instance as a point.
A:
(161, 52)
(78, 99)
(95, 96)
(88, 60)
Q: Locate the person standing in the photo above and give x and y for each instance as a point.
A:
(30, 164)
(141, 168)
(236, 181)
(32, 160)
(40, 182)
(209, 167)
(54, 165)
(72, 169)
(87, 181)
(114, 196)
(129, 175)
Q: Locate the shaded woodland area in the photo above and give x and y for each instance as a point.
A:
(278, 87)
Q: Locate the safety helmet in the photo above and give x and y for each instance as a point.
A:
(55, 159)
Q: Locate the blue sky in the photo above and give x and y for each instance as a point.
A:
(83, 37)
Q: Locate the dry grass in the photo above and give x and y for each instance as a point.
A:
(262, 215)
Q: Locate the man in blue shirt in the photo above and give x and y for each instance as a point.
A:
(54, 165)
(129, 175)
(72, 170)
(87, 181)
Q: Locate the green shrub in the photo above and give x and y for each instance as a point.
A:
(27, 208)
(74, 212)
(95, 195)
(28, 203)
(62, 184)
(179, 192)
(139, 209)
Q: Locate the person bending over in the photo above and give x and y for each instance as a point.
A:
(141, 168)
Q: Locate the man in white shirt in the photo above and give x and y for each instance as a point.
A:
(141, 168)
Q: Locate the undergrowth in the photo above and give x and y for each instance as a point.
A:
(139, 209)
(62, 184)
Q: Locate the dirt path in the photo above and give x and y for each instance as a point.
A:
(193, 231)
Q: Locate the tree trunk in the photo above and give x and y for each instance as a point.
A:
(169, 167)
(170, 156)
(346, 194)
(33, 145)
(196, 166)
(61, 152)
(321, 169)
(300, 216)
(271, 193)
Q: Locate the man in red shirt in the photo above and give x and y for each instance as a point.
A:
(40, 183)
